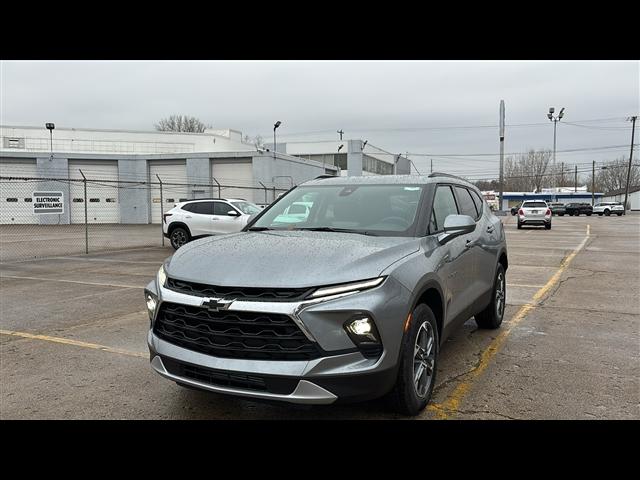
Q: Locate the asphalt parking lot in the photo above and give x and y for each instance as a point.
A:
(73, 338)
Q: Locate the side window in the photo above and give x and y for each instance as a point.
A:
(221, 208)
(203, 208)
(188, 207)
(478, 201)
(444, 204)
(467, 207)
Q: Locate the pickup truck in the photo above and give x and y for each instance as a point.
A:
(578, 208)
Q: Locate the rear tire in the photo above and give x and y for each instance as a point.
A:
(548, 227)
(418, 363)
(491, 317)
(607, 212)
(179, 236)
(519, 225)
(600, 214)
(619, 214)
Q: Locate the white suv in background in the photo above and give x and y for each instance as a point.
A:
(203, 217)
(607, 208)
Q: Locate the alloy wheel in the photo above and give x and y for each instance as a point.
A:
(500, 294)
(424, 353)
(178, 238)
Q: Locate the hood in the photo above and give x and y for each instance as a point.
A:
(291, 259)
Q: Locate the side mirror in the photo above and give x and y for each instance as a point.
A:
(233, 213)
(456, 225)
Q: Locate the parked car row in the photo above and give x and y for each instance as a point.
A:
(577, 209)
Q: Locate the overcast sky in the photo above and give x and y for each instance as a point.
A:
(399, 106)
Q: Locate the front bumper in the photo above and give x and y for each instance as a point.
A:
(344, 374)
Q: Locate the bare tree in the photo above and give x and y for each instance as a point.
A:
(181, 123)
(528, 172)
(614, 175)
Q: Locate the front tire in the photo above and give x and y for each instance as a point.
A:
(607, 212)
(418, 363)
(619, 214)
(491, 317)
(179, 236)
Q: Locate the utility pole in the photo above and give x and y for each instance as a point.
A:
(575, 181)
(593, 184)
(562, 174)
(626, 193)
(340, 132)
(501, 154)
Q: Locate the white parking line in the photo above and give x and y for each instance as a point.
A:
(69, 281)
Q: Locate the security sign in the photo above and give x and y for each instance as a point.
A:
(48, 202)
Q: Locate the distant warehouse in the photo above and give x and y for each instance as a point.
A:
(124, 169)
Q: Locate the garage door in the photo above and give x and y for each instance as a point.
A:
(102, 196)
(238, 173)
(15, 195)
(169, 173)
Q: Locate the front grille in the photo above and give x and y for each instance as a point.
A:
(238, 293)
(250, 335)
(222, 378)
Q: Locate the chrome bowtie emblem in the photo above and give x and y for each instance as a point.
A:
(217, 304)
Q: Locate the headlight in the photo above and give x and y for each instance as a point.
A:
(347, 287)
(152, 303)
(162, 276)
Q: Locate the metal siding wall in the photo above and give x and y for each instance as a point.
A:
(175, 172)
(19, 212)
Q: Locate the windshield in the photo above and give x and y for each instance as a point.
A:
(246, 207)
(369, 209)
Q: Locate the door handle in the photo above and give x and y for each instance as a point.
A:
(490, 229)
(187, 216)
(469, 244)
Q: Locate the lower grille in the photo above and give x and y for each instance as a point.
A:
(228, 334)
(243, 381)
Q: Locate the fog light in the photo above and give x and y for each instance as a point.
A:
(363, 332)
(361, 326)
(152, 303)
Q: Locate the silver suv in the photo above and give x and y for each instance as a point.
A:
(350, 303)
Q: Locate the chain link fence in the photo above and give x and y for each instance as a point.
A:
(48, 217)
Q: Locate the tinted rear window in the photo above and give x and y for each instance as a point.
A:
(467, 207)
(534, 205)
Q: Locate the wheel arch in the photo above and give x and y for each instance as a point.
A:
(175, 225)
(431, 295)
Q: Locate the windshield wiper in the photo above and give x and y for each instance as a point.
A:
(332, 229)
(259, 229)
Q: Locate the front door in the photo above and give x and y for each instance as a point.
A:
(222, 222)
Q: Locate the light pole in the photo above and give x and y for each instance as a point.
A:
(555, 120)
(275, 126)
(50, 127)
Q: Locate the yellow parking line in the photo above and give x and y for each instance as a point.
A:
(76, 343)
(449, 407)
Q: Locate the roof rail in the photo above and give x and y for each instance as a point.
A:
(441, 174)
(325, 176)
(205, 198)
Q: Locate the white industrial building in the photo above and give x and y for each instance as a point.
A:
(190, 165)
(354, 157)
(633, 202)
